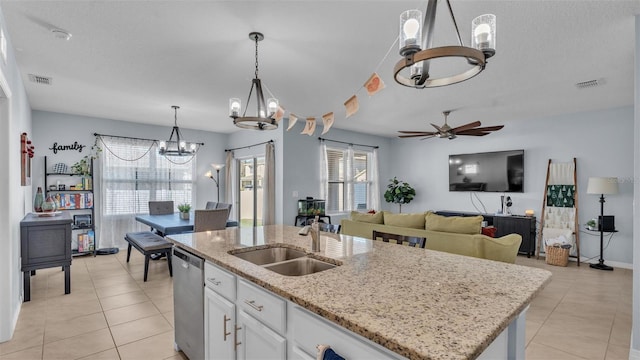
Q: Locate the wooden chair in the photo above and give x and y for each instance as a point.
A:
(211, 219)
(400, 239)
(332, 228)
(161, 207)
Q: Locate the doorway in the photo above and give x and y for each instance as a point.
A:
(250, 179)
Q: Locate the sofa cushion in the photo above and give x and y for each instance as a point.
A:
(454, 224)
(413, 221)
(376, 218)
(489, 231)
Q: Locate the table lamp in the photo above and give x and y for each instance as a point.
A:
(217, 167)
(602, 186)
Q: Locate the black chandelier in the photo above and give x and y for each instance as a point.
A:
(177, 147)
(264, 118)
(415, 46)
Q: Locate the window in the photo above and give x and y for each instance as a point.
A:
(128, 186)
(349, 183)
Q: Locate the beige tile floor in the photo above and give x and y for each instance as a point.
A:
(112, 314)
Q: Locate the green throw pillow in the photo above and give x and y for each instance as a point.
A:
(413, 221)
(454, 224)
(376, 218)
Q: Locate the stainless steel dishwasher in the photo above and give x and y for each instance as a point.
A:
(188, 303)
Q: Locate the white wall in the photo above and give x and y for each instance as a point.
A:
(15, 118)
(302, 164)
(634, 352)
(64, 129)
(602, 142)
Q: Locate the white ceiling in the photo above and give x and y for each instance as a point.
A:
(132, 60)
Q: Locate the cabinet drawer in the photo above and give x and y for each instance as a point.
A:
(219, 280)
(262, 305)
(309, 330)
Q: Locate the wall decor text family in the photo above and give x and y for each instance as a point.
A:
(74, 146)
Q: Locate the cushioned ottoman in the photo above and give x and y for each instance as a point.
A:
(149, 243)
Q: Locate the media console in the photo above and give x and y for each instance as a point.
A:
(525, 226)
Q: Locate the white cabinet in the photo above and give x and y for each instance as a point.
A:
(249, 323)
(258, 341)
(219, 315)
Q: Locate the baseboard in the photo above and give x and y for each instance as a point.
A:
(615, 264)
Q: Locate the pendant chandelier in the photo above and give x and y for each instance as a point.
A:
(177, 147)
(415, 46)
(264, 118)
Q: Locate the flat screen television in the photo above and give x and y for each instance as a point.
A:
(499, 171)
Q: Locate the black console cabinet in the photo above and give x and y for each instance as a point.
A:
(525, 226)
(45, 242)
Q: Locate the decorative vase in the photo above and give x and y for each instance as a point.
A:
(49, 205)
(38, 200)
(184, 215)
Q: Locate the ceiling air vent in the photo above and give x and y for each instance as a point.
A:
(588, 84)
(42, 80)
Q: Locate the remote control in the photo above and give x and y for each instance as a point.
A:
(304, 230)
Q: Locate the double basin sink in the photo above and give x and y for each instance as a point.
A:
(283, 260)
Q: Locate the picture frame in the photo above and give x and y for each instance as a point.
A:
(26, 154)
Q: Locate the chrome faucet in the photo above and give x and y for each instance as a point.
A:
(315, 235)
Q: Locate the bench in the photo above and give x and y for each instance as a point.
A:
(149, 243)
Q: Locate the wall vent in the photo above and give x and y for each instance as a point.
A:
(42, 80)
(588, 84)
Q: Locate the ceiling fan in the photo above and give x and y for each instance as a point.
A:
(447, 132)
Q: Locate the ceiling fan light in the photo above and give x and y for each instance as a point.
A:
(410, 32)
(483, 34)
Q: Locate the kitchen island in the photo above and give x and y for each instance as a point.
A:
(415, 303)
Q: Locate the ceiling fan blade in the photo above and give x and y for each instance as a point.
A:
(427, 137)
(415, 135)
(466, 126)
(437, 127)
(470, 133)
(490, 128)
(416, 132)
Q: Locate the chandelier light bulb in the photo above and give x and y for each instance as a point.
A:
(183, 145)
(482, 34)
(163, 145)
(272, 106)
(234, 107)
(193, 147)
(410, 29)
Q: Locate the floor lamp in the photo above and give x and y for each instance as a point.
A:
(603, 186)
(217, 167)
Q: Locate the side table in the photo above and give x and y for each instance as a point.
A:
(45, 242)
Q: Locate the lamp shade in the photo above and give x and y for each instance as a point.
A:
(602, 185)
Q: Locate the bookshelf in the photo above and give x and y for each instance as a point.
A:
(73, 193)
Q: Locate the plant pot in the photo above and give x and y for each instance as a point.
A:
(184, 215)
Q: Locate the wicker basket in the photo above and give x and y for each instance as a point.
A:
(557, 255)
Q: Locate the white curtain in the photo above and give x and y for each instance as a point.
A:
(229, 185)
(131, 174)
(374, 192)
(349, 204)
(269, 186)
(324, 172)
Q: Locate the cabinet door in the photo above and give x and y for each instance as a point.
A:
(218, 326)
(257, 340)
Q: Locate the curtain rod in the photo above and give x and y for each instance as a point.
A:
(248, 146)
(132, 138)
(348, 143)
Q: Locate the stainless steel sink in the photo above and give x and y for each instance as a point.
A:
(300, 266)
(269, 255)
(283, 260)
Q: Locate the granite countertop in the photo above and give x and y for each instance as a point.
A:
(421, 304)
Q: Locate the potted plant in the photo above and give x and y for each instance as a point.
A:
(592, 224)
(184, 211)
(399, 192)
(82, 167)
